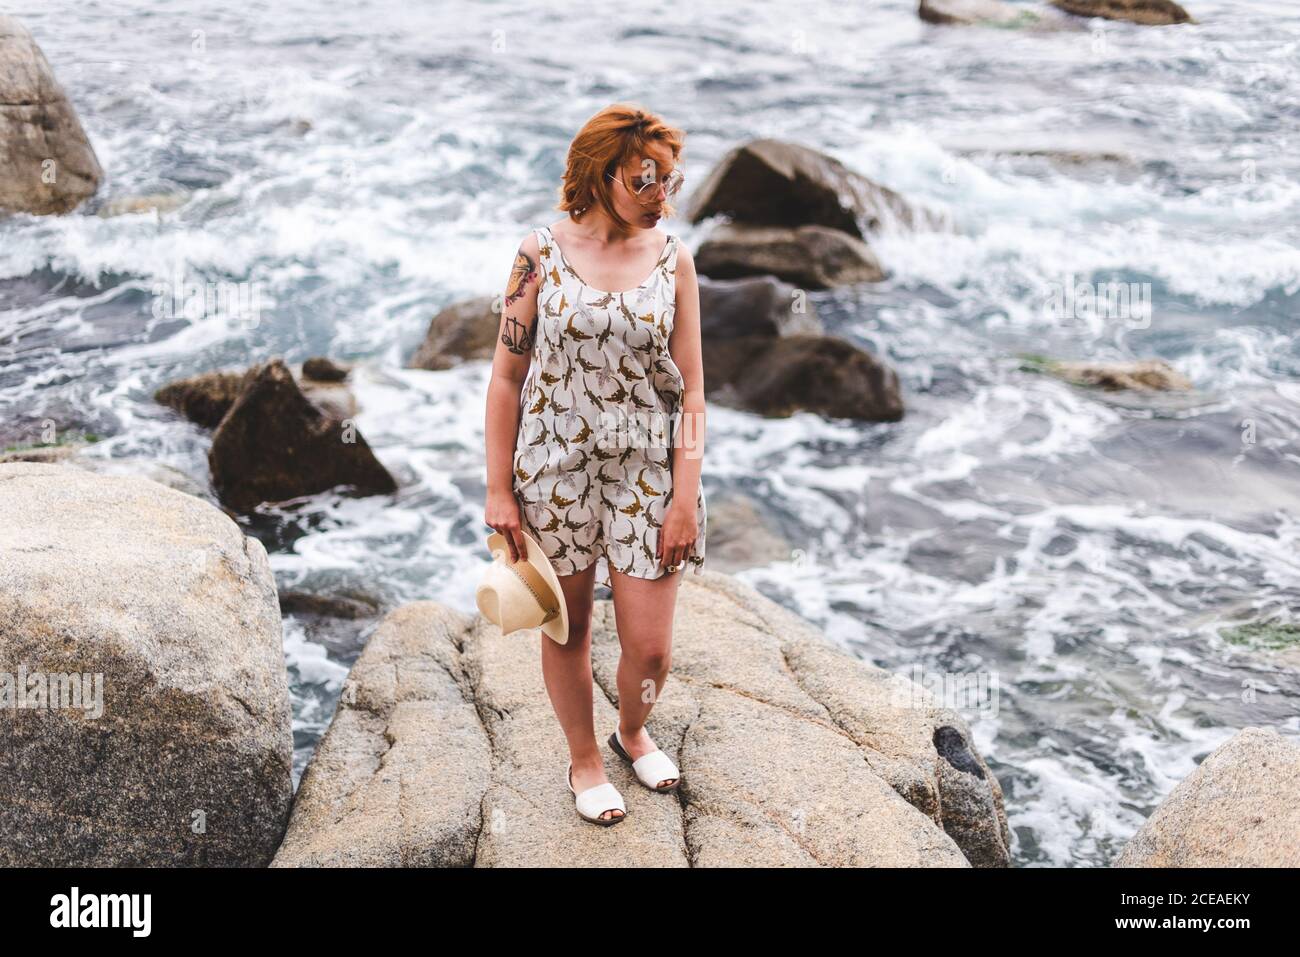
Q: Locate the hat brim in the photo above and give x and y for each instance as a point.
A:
(557, 629)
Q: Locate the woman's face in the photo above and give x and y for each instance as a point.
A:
(642, 211)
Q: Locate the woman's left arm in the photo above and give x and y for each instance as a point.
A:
(680, 524)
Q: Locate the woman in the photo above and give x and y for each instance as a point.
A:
(595, 428)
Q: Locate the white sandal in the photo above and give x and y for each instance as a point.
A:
(650, 768)
(595, 801)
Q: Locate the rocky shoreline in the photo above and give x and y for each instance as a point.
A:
(443, 750)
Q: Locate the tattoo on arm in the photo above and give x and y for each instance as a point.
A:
(516, 337)
(521, 275)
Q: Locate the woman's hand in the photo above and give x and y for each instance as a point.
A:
(677, 537)
(502, 514)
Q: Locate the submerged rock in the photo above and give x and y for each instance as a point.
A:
(163, 598)
(1147, 375)
(131, 205)
(445, 751)
(1148, 12)
(811, 257)
(975, 12)
(49, 165)
(1237, 809)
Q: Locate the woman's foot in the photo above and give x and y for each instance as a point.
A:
(638, 743)
(588, 774)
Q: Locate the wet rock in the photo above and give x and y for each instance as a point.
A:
(1237, 809)
(203, 399)
(1148, 375)
(445, 751)
(132, 205)
(754, 306)
(324, 369)
(974, 12)
(174, 608)
(810, 257)
(274, 445)
(1148, 12)
(49, 165)
(769, 182)
(821, 374)
(464, 331)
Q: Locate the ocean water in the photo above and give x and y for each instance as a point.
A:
(362, 165)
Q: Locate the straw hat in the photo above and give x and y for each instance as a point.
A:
(522, 594)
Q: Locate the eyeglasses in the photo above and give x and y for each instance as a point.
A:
(645, 192)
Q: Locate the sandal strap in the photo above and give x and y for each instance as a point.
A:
(655, 767)
(595, 801)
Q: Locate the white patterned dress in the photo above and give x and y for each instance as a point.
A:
(599, 412)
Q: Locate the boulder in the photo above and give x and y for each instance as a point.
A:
(1237, 809)
(274, 444)
(163, 598)
(399, 776)
(821, 374)
(445, 750)
(1148, 12)
(49, 165)
(811, 257)
(771, 182)
(465, 330)
(754, 306)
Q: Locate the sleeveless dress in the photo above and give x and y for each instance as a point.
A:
(598, 414)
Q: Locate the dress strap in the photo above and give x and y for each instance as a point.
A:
(670, 261)
(543, 245)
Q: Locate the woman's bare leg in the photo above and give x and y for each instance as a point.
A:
(643, 612)
(566, 669)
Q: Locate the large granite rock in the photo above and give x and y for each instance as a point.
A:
(811, 257)
(1148, 12)
(769, 182)
(1237, 809)
(47, 161)
(788, 374)
(163, 597)
(398, 778)
(445, 750)
(275, 444)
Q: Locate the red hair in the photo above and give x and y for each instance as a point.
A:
(616, 134)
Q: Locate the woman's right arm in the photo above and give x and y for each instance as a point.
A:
(510, 363)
